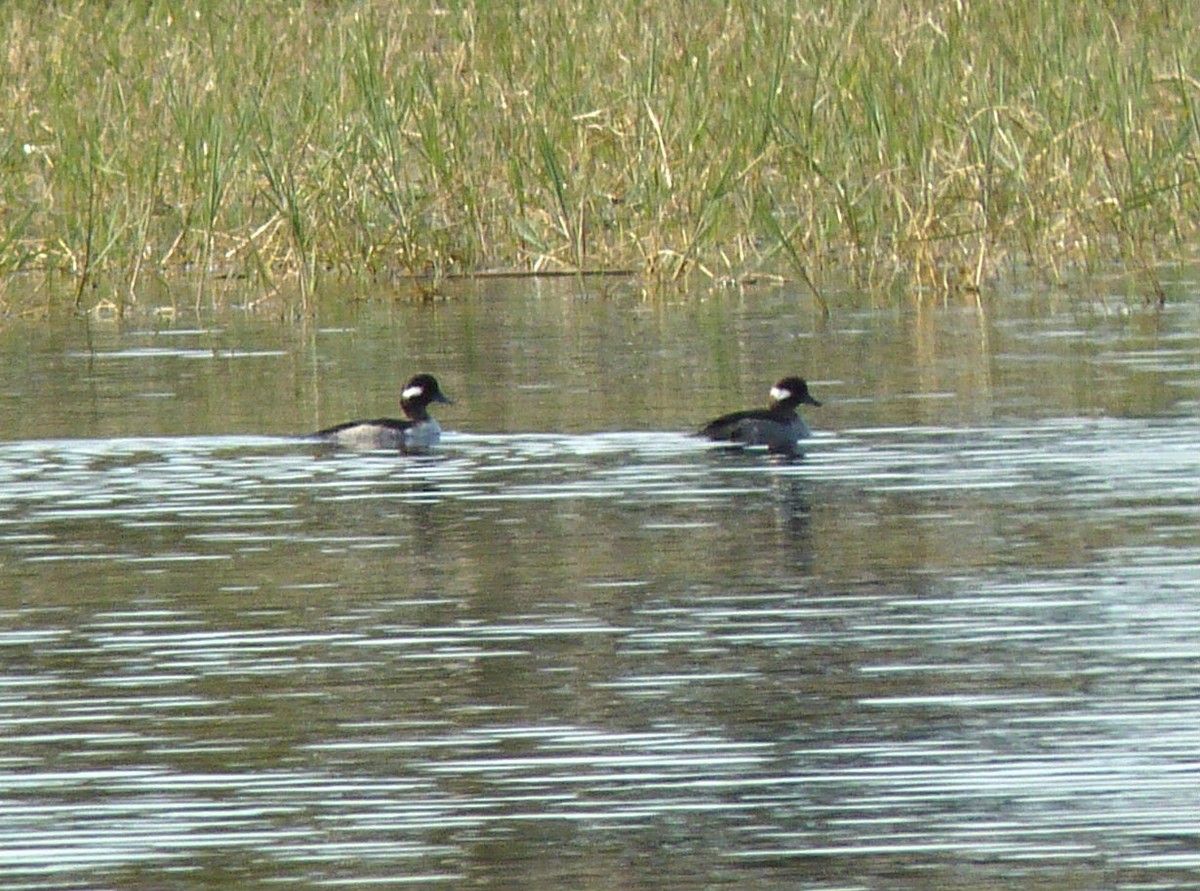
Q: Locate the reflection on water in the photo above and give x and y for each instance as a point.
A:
(944, 654)
(957, 650)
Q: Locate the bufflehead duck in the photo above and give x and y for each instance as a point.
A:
(777, 426)
(416, 433)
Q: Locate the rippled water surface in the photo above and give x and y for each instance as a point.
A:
(956, 646)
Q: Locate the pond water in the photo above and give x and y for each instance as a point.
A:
(955, 646)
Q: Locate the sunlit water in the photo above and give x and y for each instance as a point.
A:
(955, 646)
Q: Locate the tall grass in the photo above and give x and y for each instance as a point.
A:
(932, 141)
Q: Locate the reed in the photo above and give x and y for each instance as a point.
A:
(934, 142)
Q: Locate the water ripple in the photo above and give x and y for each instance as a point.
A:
(919, 650)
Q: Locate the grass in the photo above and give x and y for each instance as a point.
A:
(934, 143)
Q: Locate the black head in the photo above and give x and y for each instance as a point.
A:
(419, 392)
(790, 392)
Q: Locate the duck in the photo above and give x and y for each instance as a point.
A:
(418, 432)
(777, 426)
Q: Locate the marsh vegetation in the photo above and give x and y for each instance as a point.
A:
(931, 143)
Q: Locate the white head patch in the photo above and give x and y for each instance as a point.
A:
(412, 392)
(779, 394)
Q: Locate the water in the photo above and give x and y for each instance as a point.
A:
(954, 647)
